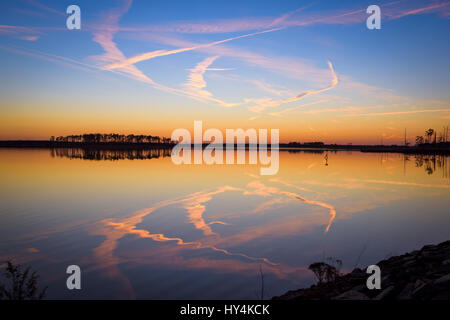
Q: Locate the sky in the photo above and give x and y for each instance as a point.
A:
(311, 69)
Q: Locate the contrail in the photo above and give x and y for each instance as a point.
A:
(398, 112)
(160, 53)
(265, 105)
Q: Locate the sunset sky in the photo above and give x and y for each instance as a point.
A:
(309, 68)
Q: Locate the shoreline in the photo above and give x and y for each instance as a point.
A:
(45, 144)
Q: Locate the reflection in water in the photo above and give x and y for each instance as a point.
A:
(195, 204)
(404, 183)
(431, 162)
(95, 154)
(124, 221)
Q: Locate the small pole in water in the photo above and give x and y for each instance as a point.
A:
(405, 137)
(326, 158)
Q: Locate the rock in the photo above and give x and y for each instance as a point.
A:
(418, 286)
(442, 279)
(419, 275)
(409, 258)
(444, 295)
(409, 263)
(351, 295)
(406, 292)
(384, 293)
(424, 292)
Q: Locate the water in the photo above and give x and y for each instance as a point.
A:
(141, 227)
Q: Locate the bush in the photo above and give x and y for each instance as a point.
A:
(23, 285)
(326, 272)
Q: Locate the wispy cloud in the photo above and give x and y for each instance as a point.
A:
(160, 53)
(30, 38)
(297, 68)
(280, 20)
(114, 60)
(282, 112)
(104, 37)
(196, 83)
(397, 13)
(20, 32)
(9, 29)
(45, 8)
(296, 18)
(68, 62)
(342, 109)
(104, 34)
(262, 104)
(393, 113)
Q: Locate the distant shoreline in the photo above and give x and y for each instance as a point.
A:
(45, 144)
(443, 149)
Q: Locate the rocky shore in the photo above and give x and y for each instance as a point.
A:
(419, 275)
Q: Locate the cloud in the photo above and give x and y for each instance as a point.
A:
(343, 109)
(104, 37)
(160, 53)
(296, 18)
(114, 60)
(20, 32)
(104, 33)
(43, 7)
(195, 85)
(280, 20)
(68, 62)
(395, 13)
(262, 104)
(196, 82)
(9, 29)
(290, 67)
(282, 112)
(393, 113)
(30, 38)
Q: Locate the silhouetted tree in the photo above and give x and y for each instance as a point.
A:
(319, 270)
(429, 134)
(22, 285)
(334, 269)
(419, 140)
(111, 138)
(325, 272)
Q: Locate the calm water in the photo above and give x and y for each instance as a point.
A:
(141, 227)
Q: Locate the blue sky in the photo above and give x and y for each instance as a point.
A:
(112, 75)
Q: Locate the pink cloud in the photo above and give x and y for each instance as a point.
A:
(299, 17)
(30, 38)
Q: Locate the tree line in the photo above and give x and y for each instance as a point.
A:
(111, 138)
(432, 136)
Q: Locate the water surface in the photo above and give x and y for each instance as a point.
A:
(141, 227)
